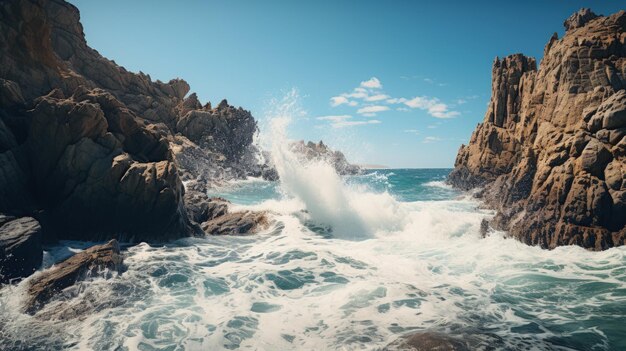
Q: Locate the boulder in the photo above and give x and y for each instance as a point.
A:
(221, 221)
(97, 261)
(20, 247)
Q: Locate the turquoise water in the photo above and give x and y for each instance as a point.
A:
(414, 260)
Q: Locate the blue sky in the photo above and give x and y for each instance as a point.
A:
(397, 83)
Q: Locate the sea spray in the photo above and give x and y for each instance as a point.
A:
(350, 211)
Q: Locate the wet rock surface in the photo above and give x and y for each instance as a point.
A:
(428, 341)
(550, 152)
(20, 247)
(96, 261)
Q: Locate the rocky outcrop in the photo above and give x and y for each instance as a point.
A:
(97, 261)
(20, 247)
(94, 151)
(550, 155)
(215, 218)
(427, 341)
(320, 151)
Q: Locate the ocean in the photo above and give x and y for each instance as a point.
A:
(392, 251)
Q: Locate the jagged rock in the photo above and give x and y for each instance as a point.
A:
(579, 19)
(320, 151)
(428, 341)
(86, 146)
(20, 247)
(214, 217)
(236, 223)
(100, 260)
(551, 149)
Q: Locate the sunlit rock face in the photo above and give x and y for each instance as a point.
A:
(94, 151)
(551, 151)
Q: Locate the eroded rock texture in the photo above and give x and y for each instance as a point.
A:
(94, 151)
(551, 151)
(97, 261)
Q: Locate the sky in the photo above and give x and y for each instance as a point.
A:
(395, 83)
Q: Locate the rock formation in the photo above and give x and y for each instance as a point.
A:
(100, 260)
(95, 152)
(550, 155)
(320, 151)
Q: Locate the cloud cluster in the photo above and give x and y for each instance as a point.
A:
(371, 100)
(341, 121)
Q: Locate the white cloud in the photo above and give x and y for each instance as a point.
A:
(371, 110)
(354, 123)
(403, 109)
(337, 118)
(342, 121)
(428, 80)
(377, 97)
(396, 100)
(432, 106)
(372, 83)
(357, 93)
(412, 131)
(432, 126)
(338, 100)
(461, 101)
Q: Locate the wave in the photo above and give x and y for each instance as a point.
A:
(349, 210)
(439, 184)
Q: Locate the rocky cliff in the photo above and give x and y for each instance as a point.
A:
(550, 155)
(93, 151)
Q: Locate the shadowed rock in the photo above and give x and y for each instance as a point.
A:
(20, 247)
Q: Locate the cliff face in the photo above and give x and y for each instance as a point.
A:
(551, 151)
(94, 151)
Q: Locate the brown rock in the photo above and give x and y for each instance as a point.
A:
(99, 260)
(551, 150)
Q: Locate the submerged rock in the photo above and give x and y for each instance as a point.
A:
(551, 150)
(428, 341)
(20, 247)
(100, 260)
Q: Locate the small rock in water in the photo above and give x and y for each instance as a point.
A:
(428, 341)
(96, 260)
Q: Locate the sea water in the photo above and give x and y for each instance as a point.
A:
(347, 263)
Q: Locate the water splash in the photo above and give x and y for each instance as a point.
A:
(349, 210)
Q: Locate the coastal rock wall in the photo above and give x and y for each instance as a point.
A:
(550, 155)
(90, 149)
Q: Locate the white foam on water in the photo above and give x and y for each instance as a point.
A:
(439, 184)
(350, 212)
(417, 266)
